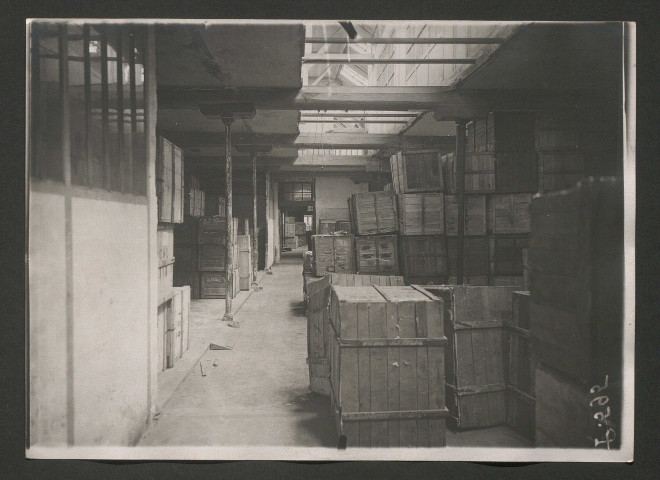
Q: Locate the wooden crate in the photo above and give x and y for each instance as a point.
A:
(212, 258)
(343, 226)
(449, 172)
(317, 292)
(576, 255)
(333, 254)
(476, 260)
(177, 188)
(187, 278)
(563, 416)
(290, 242)
(479, 173)
(417, 172)
(327, 227)
(185, 318)
(421, 214)
(508, 214)
(475, 319)
(510, 131)
(480, 135)
(212, 230)
(516, 172)
(165, 279)
(289, 229)
(424, 255)
(475, 215)
(164, 179)
(386, 367)
(560, 170)
(163, 318)
(244, 262)
(213, 284)
(165, 242)
(300, 228)
(506, 255)
(377, 255)
(373, 213)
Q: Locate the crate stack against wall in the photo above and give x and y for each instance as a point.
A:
(374, 221)
(211, 256)
(475, 318)
(386, 353)
(172, 318)
(576, 313)
(418, 181)
(317, 293)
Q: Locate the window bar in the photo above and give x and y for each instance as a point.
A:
(104, 111)
(120, 111)
(132, 81)
(87, 66)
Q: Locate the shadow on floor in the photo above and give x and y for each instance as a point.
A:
(298, 308)
(318, 421)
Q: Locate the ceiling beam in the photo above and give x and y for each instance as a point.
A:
(306, 140)
(411, 41)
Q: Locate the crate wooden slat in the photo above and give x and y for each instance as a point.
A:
(373, 213)
(300, 228)
(474, 325)
(506, 256)
(508, 214)
(177, 188)
(212, 230)
(424, 255)
(475, 256)
(343, 226)
(516, 172)
(377, 255)
(475, 215)
(317, 292)
(165, 242)
(185, 318)
(421, 214)
(417, 172)
(163, 318)
(290, 242)
(164, 179)
(507, 281)
(211, 258)
(289, 229)
(480, 135)
(176, 331)
(327, 227)
(387, 391)
(333, 254)
(479, 173)
(510, 131)
(165, 279)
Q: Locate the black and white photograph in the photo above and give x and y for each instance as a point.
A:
(320, 240)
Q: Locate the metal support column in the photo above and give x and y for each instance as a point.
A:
(229, 252)
(255, 241)
(268, 216)
(460, 193)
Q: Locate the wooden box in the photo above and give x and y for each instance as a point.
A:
(373, 213)
(308, 263)
(506, 255)
(164, 179)
(509, 214)
(290, 242)
(449, 172)
(377, 255)
(424, 255)
(576, 255)
(165, 241)
(300, 228)
(175, 330)
(516, 172)
(317, 292)
(187, 278)
(213, 284)
(343, 226)
(421, 214)
(474, 325)
(386, 367)
(563, 416)
(480, 135)
(244, 261)
(327, 227)
(475, 256)
(165, 279)
(177, 188)
(417, 172)
(479, 173)
(212, 230)
(510, 131)
(212, 258)
(289, 229)
(475, 215)
(333, 254)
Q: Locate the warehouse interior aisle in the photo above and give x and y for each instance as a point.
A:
(258, 392)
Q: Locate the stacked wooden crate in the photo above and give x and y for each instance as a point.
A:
(301, 234)
(386, 356)
(576, 312)
(374, 221)
(474, 325)
(211, 256)
(290, 240)
(343, 226)
(519, 372)
(318, 328)
(333, 254)
(327, 227)
(244, 261)
(169, 182)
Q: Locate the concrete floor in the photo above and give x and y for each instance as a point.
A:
(257, 394)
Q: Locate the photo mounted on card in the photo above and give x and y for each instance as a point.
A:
(330, 240)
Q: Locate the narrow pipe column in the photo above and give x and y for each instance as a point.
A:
(460, 193)
(268, 216)
(229, 252)
(255, 243)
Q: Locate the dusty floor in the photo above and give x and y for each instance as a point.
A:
(257, 394)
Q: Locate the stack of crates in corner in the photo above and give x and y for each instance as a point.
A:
(475, 319)
(418, 181)
(211, 256)
(374, 221)
(290, 240)
(386, 356)
(576, 313)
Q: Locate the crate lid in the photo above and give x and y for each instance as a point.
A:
(357, 294)
(402, 294)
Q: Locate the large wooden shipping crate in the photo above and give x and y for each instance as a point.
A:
(165, 241)
(474, 218)
(244, 261)
(175, 329)
(387, 367)
(169, 182)
(449, 172)
(519, 371)
(417, 172)
(343, 226)
(373, 213)
(421, 214)
(290, 243)
(317, 292)
(212, 230)
(474, 325)
(333, 254)
(327, 227)
(424, 256)
(289, 229)
(508, 214)
(377, 254)
(476, 260)
(479, 173)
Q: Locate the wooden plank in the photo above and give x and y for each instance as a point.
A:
(408, 394)
(364, 373)
(378, 374)
(422, 395)
(393, 377)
